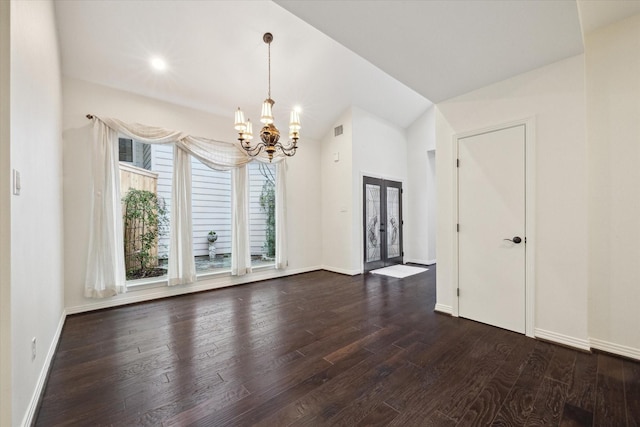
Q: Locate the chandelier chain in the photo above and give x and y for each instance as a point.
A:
(269, 50)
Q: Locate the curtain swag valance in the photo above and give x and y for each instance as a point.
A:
(106, 275)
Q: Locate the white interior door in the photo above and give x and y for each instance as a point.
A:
(491, 236)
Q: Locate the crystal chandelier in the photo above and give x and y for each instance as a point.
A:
(269, 135)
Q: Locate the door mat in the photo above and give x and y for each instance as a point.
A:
(399, 271)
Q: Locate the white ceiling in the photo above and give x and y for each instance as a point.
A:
(218, 61)
(446, 48)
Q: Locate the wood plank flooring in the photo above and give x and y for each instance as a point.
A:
(323, 349)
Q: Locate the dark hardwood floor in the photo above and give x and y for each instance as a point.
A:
(323, 349)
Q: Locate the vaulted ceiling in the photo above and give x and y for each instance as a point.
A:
(446, 48)
(391, 58)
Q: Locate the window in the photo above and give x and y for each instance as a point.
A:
(136, 153)
(146, 173)
(106, 260)
(262, 215)
(125, 150)
(145, 188)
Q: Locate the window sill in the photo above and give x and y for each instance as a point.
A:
(157, 282)
(152, 282)
(264, 267)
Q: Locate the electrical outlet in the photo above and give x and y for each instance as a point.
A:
(33, 348)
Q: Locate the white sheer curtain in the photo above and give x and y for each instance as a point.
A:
(282, 256)
(182, 266)
(105, 266)
(240, 247)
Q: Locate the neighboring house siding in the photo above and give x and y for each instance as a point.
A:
(162, 163)
(211, 202)
(138, 155)
(211, 207)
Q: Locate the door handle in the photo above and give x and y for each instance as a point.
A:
(515, 240)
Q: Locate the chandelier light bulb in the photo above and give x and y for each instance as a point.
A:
(267, 111)
(248, 133)
(294, 121)
(240, 124)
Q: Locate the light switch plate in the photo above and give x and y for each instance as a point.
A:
(16, 182)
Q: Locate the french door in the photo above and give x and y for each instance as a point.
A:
(382, 206)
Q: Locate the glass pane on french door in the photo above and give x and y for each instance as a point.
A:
(372, 223)
(393, 222)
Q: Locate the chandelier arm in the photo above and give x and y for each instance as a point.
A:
(290, 145)
(253, 151)
(286, 150)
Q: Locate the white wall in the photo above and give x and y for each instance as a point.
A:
(420, 191)
(613, 129)
(337, 197)
(555, 96)
(36, 214)
(80, 98)
(379, 151)
(432, 211)
(446, 216)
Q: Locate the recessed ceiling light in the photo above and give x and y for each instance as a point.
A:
(158, 63)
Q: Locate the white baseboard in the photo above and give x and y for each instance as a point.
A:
(341, 270)
(446, 309)
(581, 344)
(44, 373)
(588, 344)
(621, 350)
(206, 284)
